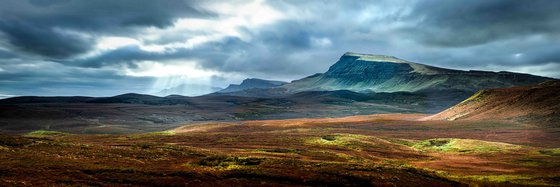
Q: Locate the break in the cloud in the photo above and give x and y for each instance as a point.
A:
(107, 47)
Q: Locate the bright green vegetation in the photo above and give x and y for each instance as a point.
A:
(474, 97)
(46, 133)
(405, 142)
(151, 134)
(463, 145)
(350, 141)
(169, 132)
(550, 152)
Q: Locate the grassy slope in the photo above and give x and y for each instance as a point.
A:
(537, 104)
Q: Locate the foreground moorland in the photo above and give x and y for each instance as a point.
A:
(380, 150)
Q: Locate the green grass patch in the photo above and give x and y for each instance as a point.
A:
(351, 141)
(533, 162)
(164, 133)
(329, 137)
(400, 141)
(475, 97)
(463, 145)
(550, 152)
(229, 162)
(46, 133)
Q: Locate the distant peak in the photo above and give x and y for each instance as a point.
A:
(375, 58)
(253, 79)
(256, 80)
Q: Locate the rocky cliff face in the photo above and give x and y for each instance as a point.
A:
(380, 73)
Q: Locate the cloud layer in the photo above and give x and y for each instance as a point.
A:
(79, 47)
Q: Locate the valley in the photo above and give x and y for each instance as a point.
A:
(377, 150)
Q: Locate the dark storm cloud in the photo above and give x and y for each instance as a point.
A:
(439, 23)
(283, 47)
(45, 41)
(41, 40)
(473, 22)
(49, 78)
(38, 26)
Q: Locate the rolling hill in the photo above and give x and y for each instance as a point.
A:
(188, 90)
(537, 104)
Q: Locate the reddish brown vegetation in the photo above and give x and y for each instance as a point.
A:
(538, 104)
(379, 150)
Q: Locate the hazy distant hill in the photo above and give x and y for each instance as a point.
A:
(251, 84)
(188, 90)
(536, 104)
(379, 73)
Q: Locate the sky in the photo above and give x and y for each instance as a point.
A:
(111, 47)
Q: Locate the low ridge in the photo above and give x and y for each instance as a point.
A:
(252, 83)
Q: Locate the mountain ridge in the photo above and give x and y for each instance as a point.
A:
(382, 73)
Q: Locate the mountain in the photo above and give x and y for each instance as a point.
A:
(380, 73)
(252, 84)
(188, 90)
(536, 104)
